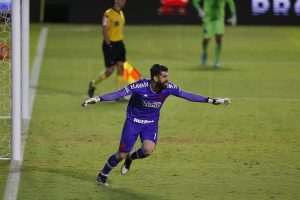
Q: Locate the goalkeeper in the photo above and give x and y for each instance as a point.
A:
(143, 110)
(212, 15)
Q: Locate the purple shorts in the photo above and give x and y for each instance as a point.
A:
(131, 130)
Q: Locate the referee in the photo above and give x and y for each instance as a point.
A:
(113, 48)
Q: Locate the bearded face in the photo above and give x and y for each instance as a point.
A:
(162, 81)
(162, 86)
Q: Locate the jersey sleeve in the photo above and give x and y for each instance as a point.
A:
(136, 86)
(176, 91)
(173, 89)
(196, 4)
(115, 95)
(192, 97)
(105, 19)
(231, 6)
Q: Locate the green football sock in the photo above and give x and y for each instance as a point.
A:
(204, 47)
(218, 52)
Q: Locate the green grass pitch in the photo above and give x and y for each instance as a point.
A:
(248, 150)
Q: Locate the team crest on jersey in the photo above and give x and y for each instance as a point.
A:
(116, 23)
(160, 97)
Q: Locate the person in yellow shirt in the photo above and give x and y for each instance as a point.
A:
(113, 48)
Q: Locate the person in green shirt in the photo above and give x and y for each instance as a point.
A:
(213, 18)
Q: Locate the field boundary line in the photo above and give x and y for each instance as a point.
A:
(265, 99)
(249, 62)
(13, 180)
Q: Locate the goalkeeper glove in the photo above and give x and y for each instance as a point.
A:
(232, 20)
(201, 13)
(91, 101)
(218, 101)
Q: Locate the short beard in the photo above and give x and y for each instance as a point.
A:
(162, 86)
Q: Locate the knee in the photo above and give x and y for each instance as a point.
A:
(205, 41)
(147, 152)
(121, 155)
(219, 39)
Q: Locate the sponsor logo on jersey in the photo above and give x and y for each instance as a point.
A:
(142, 121)
(127, 89)
(172, 86)
(152, 104)
(139, 85)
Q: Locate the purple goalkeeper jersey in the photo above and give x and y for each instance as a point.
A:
(144, 105)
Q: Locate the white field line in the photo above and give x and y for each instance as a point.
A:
(13, 180)
(249, 62)
(5, 117)
(266, 99)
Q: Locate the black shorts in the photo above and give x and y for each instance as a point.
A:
(114, 53)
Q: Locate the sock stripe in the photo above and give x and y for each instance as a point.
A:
(109, 166)
(104, 174)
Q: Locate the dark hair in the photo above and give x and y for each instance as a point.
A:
(113, 2)
(156, 69)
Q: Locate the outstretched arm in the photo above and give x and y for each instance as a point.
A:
(198, 98)
(192, 97)
(231, 6)
(107, 97)
(233, 19)
(114, 95)
(196, 4)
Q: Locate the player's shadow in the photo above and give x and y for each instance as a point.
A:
(118, 193)
(109, 192)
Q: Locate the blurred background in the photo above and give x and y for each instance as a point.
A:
(251, 12)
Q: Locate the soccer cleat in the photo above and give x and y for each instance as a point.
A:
(217, 65)
(101, 179)
(91, 90)
(126, 166)
(203, 58)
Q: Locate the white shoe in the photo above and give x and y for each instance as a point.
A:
(126, 166)
(217, 65)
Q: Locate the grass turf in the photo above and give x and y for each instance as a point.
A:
(248, 150)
